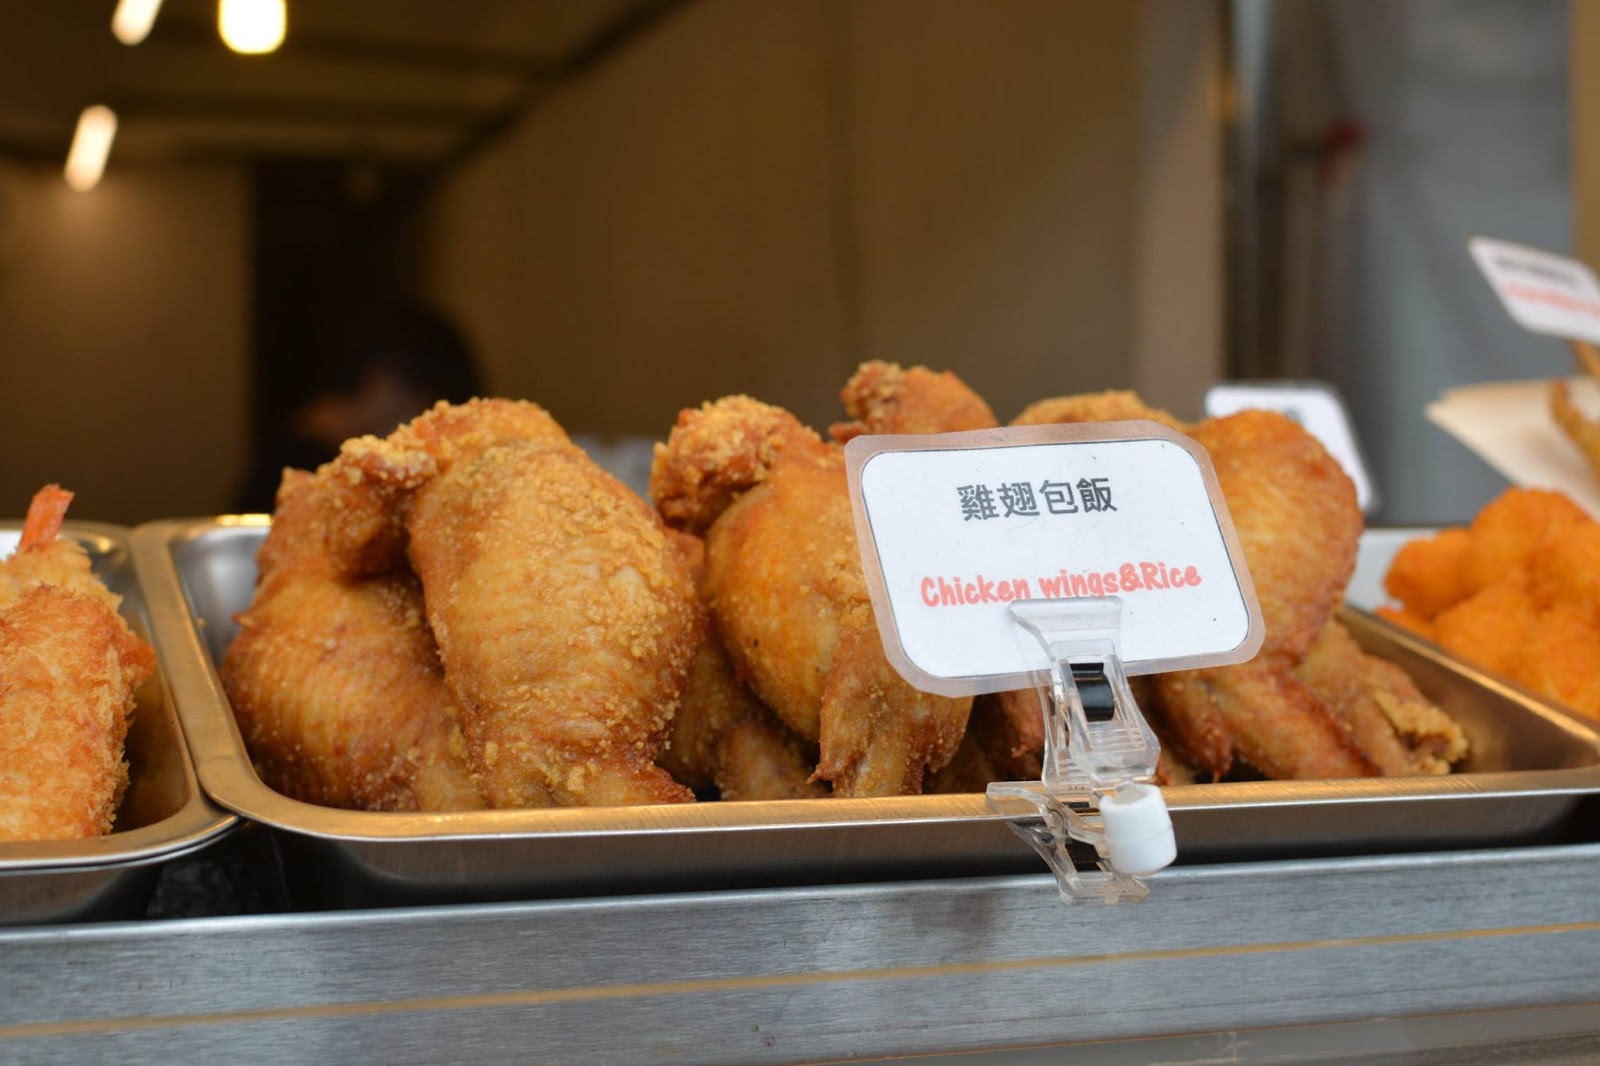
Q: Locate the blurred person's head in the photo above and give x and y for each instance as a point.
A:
(384, 368)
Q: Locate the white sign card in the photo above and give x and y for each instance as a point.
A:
(955, 527)
(1545, 293)
(9, 539)
(1318, 407)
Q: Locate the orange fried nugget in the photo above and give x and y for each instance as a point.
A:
(1512, 529)
(1430, 574)
(1490, 628)
(1568, 570)
(1406, 620)
(1560, 657)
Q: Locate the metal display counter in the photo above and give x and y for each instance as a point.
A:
(1305, 960)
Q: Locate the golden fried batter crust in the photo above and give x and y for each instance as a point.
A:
(335, 682)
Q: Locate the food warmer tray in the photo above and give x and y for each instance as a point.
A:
(1530, 766)
(1449, 957)
(164, 813)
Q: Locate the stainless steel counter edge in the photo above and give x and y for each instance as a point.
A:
(808, 974)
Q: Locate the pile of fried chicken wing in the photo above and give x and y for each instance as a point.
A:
(471, 613)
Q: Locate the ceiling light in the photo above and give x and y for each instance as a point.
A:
(251, 26)
(133, 18)
(91, 143)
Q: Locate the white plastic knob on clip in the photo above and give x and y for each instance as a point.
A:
(1139, 838)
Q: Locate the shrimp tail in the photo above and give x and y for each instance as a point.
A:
(45, 514)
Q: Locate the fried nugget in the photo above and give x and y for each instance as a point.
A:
(1509, 531)
(1430, 573)
(1560, 656)
(1568, 569)
(1490, 627)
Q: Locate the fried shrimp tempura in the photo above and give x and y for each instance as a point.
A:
(336, 683)
(69, 669)
(566, 622)
(1582, 430)
(1579, 428)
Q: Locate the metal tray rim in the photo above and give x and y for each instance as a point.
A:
(226, 773)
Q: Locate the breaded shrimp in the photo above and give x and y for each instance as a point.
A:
(69, 670)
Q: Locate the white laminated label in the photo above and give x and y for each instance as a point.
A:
(955, 527)
(8, 541)
(1545, 293)
(1317, 406)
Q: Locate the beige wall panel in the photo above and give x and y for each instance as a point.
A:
(665, 229)
(1178, 324)
(995, 148)
(123, 319)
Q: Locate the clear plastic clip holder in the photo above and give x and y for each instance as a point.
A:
(1098, 760)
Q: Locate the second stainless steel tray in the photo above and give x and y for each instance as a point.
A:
(164, 812)
(1531, 763)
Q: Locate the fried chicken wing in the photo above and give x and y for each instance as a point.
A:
(887, 398)
(69, 670)
(785, 580)
(1296, 516)
(1110, 406)
(1388, 717)
(722, 735)
(566, 622)
(336, 683)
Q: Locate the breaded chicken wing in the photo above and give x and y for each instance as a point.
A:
(888, 398)
(566, 622)
(1389, 719)
(1298, 522)
(335, 681)
(1110, 406)
(69, 670)
(722, 736)
(784, 575)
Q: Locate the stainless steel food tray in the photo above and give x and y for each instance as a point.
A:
(164, 813)
(1531, 765)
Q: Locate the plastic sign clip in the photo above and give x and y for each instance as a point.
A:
(1099, 758)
